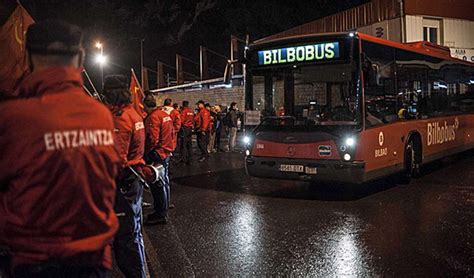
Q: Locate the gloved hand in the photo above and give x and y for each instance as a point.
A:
(153, 173)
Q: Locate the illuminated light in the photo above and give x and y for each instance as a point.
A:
(246, 48)
(246, 140)
(247, 152)
(442, 86)
(98, 44)
(350, 142)
(347, 157)
(299, 53)
(351, 34)
(101, 59)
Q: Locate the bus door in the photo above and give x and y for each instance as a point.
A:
(279, 94)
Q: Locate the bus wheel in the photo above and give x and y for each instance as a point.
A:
(411, 162)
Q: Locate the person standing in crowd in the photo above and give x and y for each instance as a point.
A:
(178, 133)
(212, 130)
(149, 102)
(187, 118)
(203, 121)
(59, 163)
(130, 142)
(159, 147)
(175, 117)
(218, 127)
(232, 119)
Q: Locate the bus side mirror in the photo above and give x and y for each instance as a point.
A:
(376, 74)
(371, 73)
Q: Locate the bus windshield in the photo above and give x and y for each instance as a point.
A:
(312, 95)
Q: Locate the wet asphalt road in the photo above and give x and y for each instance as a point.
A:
(227, 224)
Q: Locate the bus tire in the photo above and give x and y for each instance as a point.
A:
(411, 161)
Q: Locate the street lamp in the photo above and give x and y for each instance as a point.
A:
(101, 59)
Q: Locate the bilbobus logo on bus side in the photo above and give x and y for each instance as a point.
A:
(439, 134)
(303, 53)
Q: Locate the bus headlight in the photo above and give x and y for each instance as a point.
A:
(350, 142)
(347, 157)
(247, 152)
(246, 140)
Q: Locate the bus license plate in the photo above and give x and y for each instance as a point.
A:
(292, 168)
(311, 170)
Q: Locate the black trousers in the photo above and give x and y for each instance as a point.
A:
(203, 141)
(217, 142)
(186, 144)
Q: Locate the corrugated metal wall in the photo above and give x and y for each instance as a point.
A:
(363, 15)
(461, 9)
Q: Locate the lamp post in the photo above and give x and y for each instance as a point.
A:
(101, 60)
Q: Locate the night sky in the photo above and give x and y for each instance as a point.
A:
(171, 27)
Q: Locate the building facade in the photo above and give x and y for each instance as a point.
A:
(446, 22)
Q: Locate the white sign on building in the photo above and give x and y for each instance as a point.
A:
(463, 54)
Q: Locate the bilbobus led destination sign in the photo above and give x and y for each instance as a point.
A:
(300, 53)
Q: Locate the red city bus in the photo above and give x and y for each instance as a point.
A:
(355, 107)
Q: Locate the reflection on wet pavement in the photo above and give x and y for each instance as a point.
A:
(226, 224)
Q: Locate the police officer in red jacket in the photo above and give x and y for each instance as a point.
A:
(159, 147)
(203, 127)
(187, 124)
(175, 117)
(58, 164)
(130, 142)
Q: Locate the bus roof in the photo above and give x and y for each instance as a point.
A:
(422, 47)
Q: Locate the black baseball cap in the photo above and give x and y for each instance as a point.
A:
(54, 37)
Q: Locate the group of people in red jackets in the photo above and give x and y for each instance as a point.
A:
(73, 169)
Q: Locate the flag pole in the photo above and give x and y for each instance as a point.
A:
(141, 62)
(138, 83)
(87, 91)
(96, 94)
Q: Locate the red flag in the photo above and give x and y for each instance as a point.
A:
(137, 95)
(14, 66)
